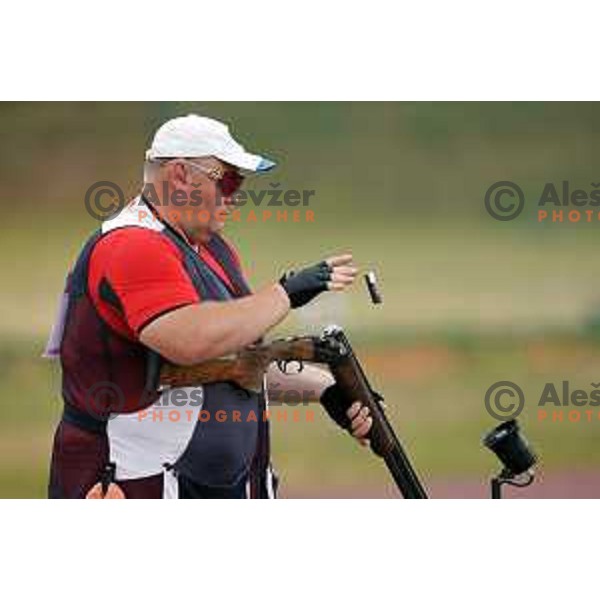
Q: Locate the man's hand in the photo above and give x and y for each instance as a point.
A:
(360, 422)
(313, 382)
(335, 273)
(355, 417)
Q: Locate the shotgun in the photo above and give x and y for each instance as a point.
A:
(248, 367)
(350, 377)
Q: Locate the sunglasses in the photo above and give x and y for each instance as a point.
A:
(228, 181)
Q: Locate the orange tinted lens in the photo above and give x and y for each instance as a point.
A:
(230, 183)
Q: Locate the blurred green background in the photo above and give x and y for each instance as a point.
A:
(468, 300)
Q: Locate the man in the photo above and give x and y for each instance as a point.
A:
(159, 282)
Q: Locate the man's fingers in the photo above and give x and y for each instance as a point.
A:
(363, 428)
(360, 417)
(353, 410)
(338, 261)
(339, 278)
(345, 270)
(95, 493)
(340, 282)
(361, 423)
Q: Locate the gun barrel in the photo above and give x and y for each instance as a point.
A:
(351, 378)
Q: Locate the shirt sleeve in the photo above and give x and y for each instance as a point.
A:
(146, 273)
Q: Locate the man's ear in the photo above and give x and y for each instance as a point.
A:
(179, 173)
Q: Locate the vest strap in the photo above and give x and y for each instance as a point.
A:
(83, 420)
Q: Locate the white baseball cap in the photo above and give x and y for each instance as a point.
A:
(194, 136)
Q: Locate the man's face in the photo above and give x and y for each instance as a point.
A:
(203, 187)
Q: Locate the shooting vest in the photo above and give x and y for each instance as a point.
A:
(108, 378)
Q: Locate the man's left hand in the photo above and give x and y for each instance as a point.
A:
(360, 422)
(354, 417)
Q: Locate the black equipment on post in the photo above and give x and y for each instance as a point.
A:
(509, 445)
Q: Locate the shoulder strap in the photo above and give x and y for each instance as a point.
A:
(220, 248)
(78, 278)
(207, 283)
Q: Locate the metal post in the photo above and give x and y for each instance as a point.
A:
(496, 488)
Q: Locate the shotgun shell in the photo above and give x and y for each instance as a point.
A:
(371, 281)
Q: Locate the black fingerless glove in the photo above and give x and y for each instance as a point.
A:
(302, 286)
(336, 404)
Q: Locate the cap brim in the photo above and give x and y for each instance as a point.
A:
(248, 162)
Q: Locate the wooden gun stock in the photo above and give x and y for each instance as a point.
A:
(246, 368)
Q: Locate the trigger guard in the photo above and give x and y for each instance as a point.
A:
(283, 366)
